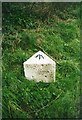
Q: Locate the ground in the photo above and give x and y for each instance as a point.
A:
(55, 30)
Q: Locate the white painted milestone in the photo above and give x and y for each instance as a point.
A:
(40, 67)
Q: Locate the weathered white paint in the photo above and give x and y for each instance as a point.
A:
(40, 67)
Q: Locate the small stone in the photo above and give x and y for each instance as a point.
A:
(40, 68)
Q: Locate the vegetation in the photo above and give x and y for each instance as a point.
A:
(54, 29)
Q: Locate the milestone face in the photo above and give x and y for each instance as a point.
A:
(40, 68)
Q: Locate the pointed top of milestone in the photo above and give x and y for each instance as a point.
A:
(39, 58)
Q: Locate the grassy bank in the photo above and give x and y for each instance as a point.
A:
(54, 29)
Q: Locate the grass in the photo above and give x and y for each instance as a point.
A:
(60, 39)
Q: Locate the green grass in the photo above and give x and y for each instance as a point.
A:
(59, 37)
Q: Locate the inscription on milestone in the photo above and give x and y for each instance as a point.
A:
(39, 56)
